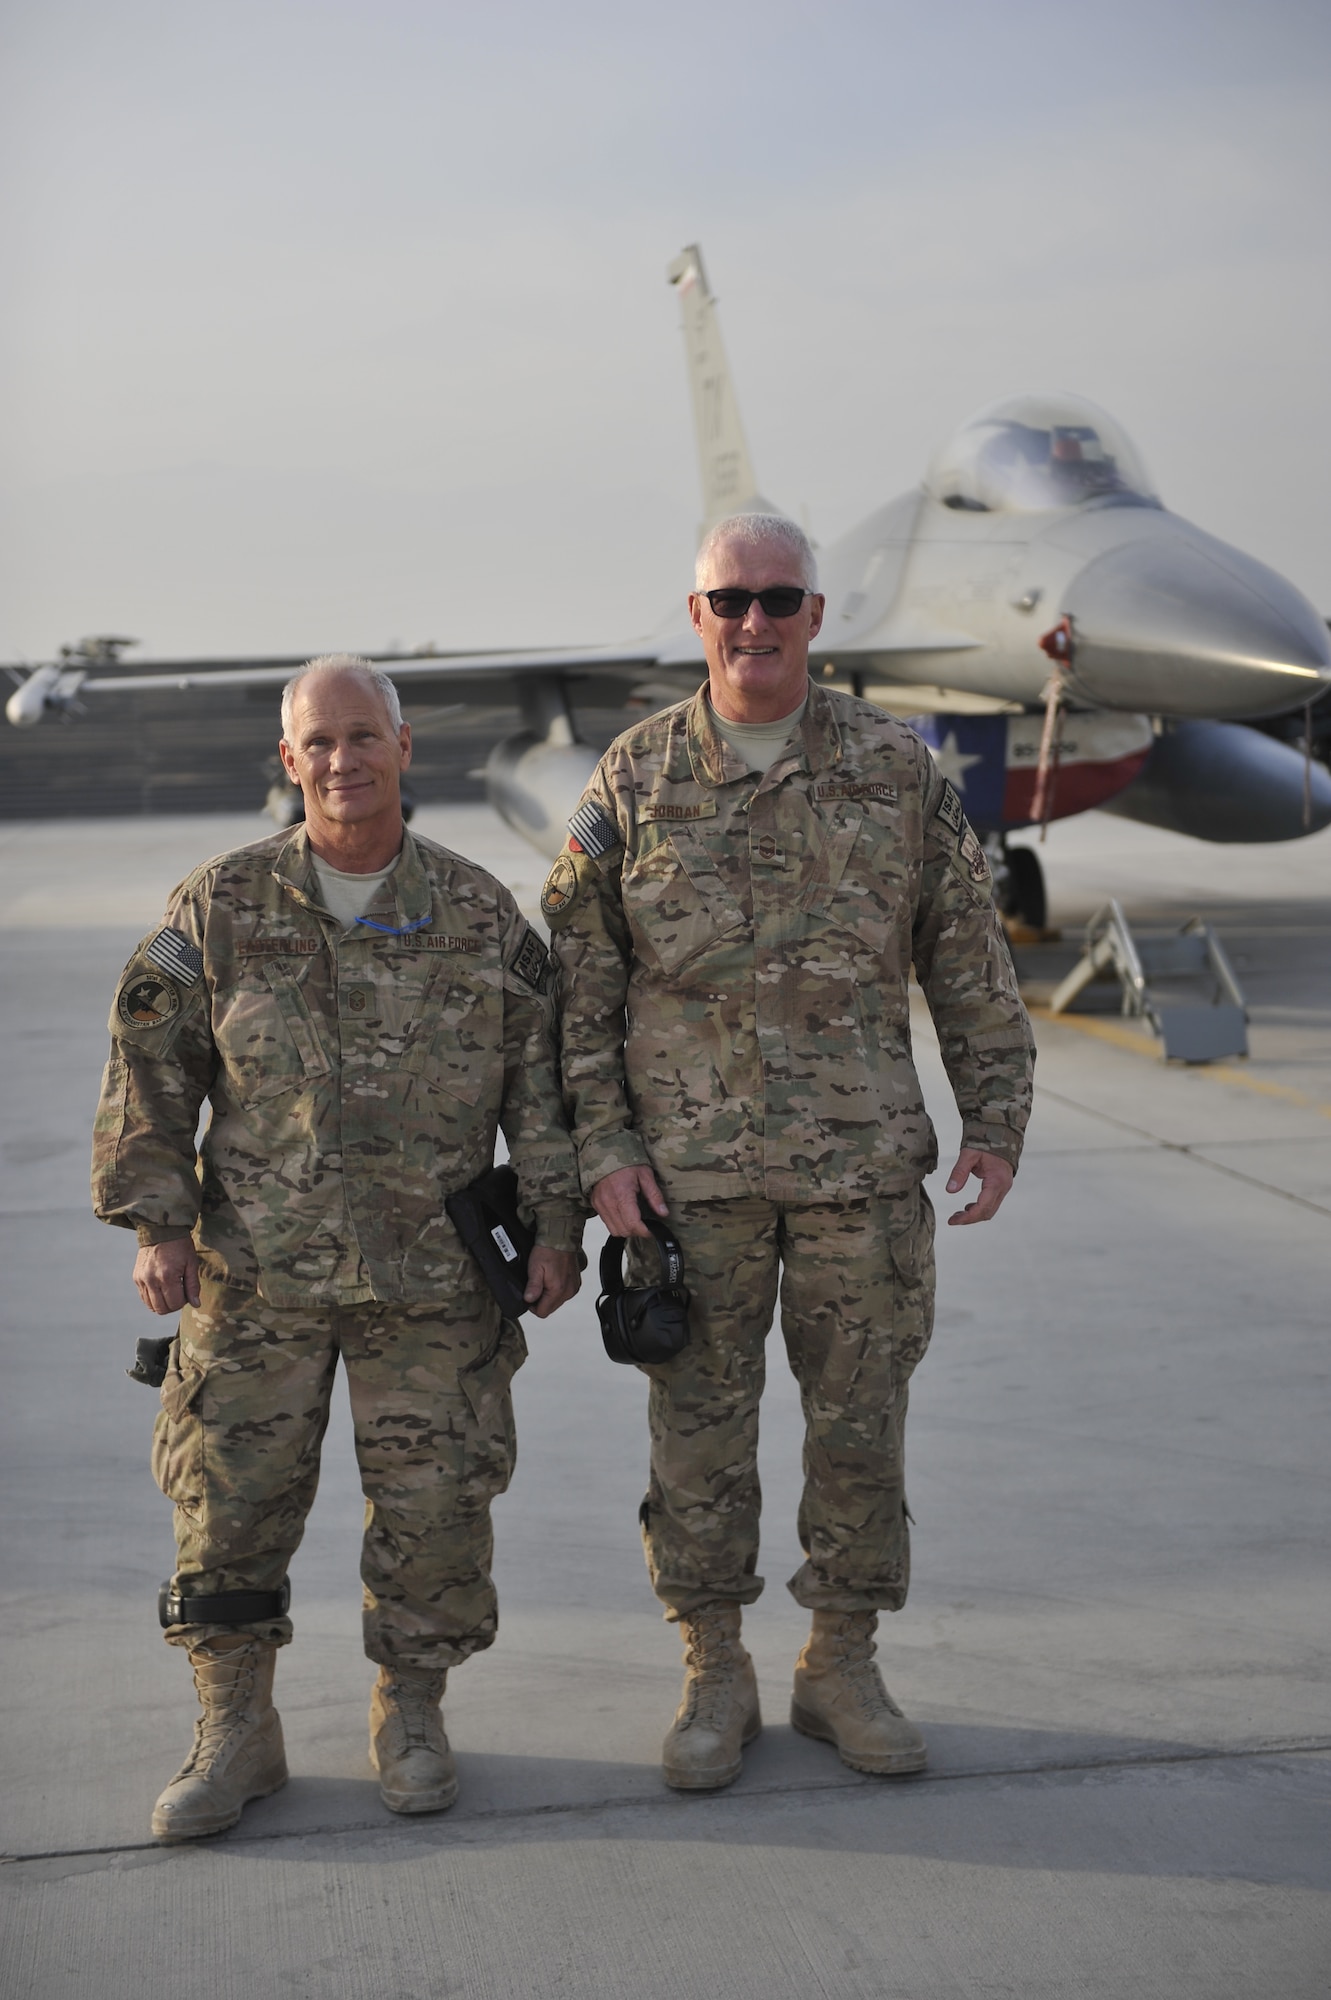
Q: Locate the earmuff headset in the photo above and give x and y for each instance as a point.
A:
(644, 1322)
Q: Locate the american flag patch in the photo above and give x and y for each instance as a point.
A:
(593, 830)
(172, 953)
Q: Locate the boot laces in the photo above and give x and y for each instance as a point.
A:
(414, 1707)
(713, 1660)
(853, 1655)
(224, 1708)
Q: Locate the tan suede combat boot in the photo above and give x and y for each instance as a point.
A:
(719, 1712)
(408, 1747)
(238, 1753)
(840, 1698)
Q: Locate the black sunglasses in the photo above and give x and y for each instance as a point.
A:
(783, 600)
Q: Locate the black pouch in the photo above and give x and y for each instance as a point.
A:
(151, 1359)
(644, 1323)
(485, 1215)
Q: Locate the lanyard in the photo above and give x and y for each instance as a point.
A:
(388, 930)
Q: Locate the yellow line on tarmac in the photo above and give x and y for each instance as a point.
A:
(1140, 1044)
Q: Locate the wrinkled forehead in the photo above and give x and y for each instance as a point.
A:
(337, 700)
(752, 565)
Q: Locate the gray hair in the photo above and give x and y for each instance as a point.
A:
(756, 531)
(373, 679)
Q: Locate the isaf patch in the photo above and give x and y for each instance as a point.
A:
(148, 1001)
(949, 809)
(171, 952)
(592, 831)
(532, 964)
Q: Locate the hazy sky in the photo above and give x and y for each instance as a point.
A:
(334, 324)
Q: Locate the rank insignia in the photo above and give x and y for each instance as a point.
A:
(147, 1001)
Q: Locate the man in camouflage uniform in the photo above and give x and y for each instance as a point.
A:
(362, 1009)
(748, 881)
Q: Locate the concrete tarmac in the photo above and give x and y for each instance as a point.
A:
(1117, 1639)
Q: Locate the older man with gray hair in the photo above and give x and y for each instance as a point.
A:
(362, 1010)
(748, 882)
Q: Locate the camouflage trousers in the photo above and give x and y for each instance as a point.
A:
(236, 1447)
(856, 1287)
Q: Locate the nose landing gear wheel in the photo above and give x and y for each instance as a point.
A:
(1022, 894)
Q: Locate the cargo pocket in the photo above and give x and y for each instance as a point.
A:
(911, 1244)
(177, 1449)
(492, 1446)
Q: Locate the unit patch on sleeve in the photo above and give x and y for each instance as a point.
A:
(560, 891)
(592, 831)
(147, 1001)
(949, 809)
(532, 964)
(170, 952)
(974, 856)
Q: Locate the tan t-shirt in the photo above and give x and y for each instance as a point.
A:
(349, 896)
(761, 743)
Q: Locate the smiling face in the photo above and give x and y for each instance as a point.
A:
(347, 759)
(758, 666)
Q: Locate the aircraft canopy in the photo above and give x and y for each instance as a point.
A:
(1032, 453)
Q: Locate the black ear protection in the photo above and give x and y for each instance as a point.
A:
(644, 1322)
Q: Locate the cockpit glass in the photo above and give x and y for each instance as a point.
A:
(1036, 452)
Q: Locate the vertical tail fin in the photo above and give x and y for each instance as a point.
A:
(728, 484)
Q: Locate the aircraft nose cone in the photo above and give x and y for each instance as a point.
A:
(1179, 624)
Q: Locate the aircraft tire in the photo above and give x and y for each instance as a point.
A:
(1024, 892)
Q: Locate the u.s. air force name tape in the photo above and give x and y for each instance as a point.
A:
(949, 808)
(592, 831)
(170, 952)
(857, 788)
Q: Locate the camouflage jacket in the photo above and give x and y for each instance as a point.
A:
(355, 1077)
(733, 956)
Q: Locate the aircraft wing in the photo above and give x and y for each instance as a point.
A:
(481, 667)
(469, 677)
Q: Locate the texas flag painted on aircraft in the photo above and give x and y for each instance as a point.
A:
(991, 760)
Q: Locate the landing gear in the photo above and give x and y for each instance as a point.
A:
(1019, 885)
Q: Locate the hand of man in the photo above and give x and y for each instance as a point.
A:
(615, 1200)
(553, 1278)
(994, 1176)
(167, 1275)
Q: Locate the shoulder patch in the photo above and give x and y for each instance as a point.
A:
(532, 963)
(949, 809)
(973, 855)
(148, 1001)
(592, 831)
(170, 952)
(561, 890)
